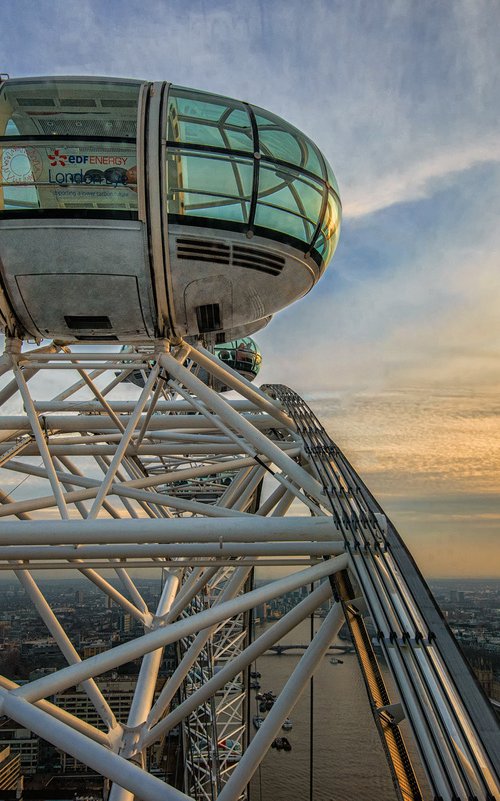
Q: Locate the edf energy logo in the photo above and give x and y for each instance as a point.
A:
(101, 169)
(58, 159)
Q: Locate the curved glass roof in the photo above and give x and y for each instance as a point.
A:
(242, 167)
(69, 145)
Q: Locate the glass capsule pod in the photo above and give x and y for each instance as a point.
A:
(242, 355)
(132, 210)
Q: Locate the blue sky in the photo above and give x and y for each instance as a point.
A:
(403, 98)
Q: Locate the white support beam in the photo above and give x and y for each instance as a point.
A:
(158, 727)
(122, 446)
(283, 705)
(159, 637)
(236, 381)
(190, 529)
(40, 441)
(126, 407)
(65, 645)
(92, 422)
(222, 550)
(91, 753)
(239, 424)
(173, 683)
(66, 717)
(144, 690)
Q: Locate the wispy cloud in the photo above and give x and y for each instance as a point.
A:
(419, 179)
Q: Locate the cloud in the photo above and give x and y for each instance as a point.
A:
(419, 180)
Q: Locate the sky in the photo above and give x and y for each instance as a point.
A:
(398, 347)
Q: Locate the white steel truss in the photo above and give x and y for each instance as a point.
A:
(174, 477)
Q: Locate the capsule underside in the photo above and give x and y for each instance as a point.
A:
(133, 210)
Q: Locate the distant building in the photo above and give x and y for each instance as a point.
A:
(94, 648)
(10, 769)
(34, 755)
(125, 622)
(23, 744)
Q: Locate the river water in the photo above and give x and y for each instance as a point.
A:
(349, 763)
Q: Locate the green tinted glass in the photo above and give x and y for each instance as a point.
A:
(70, 176)
(209, 173)
(200, 119)
(215, 208)
(330, 229)
(53, 173)
(208, 185)
(240, 354)
(331, 178)
(293, 193)
(283, 221)
(281, 141)
(283, 190)
(68, 107)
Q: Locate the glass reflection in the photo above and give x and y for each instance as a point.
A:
(281, 188)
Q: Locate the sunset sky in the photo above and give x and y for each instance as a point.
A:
(398, 347)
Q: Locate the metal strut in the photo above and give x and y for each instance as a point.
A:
(173, 479)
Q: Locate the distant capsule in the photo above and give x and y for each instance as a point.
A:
(131, 211)
(241, 355)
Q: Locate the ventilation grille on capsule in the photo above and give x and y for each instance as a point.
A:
(252, 259)
(93, 127)
(40, 102)
(203, 250)
(220, 253)
(208, 318)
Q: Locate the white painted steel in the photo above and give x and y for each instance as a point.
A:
(242, 426)
(145, 687)
(194, 529)
(222, 550)
(282, 627)
(187, 469)
(96, 756)
(95, 665)
(285, 702)
(236, 381)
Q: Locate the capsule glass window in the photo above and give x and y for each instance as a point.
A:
(198, 118)
(53, 149)
(219, 187)
(281, 141)
(66, 107)
(288, 202)
(71, 176)
(330, 229)
(331, 178)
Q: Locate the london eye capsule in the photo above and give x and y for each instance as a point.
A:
(133, 210)
(242, 355)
